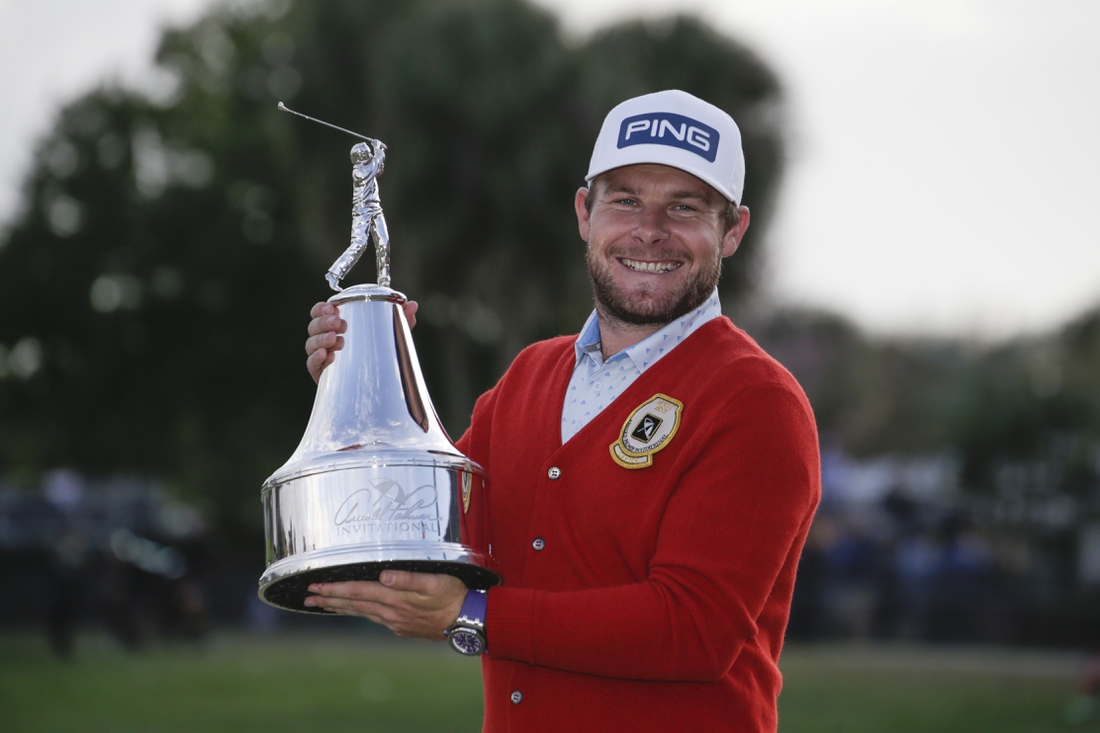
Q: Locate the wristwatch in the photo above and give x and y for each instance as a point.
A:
(467, 633)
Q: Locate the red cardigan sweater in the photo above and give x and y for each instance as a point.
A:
(653, 598)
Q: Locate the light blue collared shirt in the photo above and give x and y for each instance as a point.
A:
(596, 383)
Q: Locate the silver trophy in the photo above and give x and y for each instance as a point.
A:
(375, 482)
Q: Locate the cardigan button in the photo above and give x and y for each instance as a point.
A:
(554, 473)
(539, 543)
(517, 697)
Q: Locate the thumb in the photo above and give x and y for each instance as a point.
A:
(397, 579)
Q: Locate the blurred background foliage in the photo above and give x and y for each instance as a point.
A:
(154, 289)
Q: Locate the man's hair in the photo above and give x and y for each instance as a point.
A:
(731, 217)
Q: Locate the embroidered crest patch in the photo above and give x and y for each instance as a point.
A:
(649, 429)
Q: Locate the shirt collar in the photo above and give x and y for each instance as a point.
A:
(588, 342)
(642, 353)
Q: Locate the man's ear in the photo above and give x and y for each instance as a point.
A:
(732, 238)
(582, 212)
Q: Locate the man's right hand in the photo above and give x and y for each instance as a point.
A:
(325, 337)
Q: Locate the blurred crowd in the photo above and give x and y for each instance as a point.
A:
(905, 555)
(896, 552)
(118, 555)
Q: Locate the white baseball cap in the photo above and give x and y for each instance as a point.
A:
(676, 129)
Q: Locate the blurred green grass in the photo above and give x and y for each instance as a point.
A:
(367, 683)
(356, 683)
(896, 688)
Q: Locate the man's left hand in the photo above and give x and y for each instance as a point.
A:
(419, 605)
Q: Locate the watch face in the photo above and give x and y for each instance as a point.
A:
(466, 641)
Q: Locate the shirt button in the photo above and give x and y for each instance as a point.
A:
(554, 473)
(539, 543)
(597, 386)
(517, 697)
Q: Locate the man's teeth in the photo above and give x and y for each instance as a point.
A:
(650, 266)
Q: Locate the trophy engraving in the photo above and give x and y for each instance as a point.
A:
(375, 482)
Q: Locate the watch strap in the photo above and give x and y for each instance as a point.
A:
(467, 633)
(473, 609)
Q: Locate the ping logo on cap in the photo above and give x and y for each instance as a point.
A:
(666, 128)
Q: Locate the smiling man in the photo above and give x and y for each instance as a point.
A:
(653, 479)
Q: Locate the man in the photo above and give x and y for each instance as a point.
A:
(652, 479)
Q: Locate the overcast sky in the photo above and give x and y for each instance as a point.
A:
(945, 157)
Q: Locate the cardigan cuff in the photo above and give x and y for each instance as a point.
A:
(509, 623)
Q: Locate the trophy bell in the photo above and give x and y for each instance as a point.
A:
(375, 482)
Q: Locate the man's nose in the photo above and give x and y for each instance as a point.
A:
(652, 225)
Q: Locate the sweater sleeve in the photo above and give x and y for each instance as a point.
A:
(474, 443)
(726, 554)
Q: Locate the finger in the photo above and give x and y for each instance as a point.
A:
(354, 590)
(376, 612)
(411, 308)
(326, 340)
(316, 363)
(425, 590)
(379, 612)
(322, 309)
(404, 580)
(329, 323)
(313, 343)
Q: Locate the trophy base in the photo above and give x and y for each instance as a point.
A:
(289, 593)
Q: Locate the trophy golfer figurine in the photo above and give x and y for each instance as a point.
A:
(368, 162)
(375, 482)
(366, 215)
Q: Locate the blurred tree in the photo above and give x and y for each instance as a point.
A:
(154, 291)
(871, 396)
(1030, 430)
(1029, 406)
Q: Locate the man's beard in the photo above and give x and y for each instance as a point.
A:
(639, 310)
